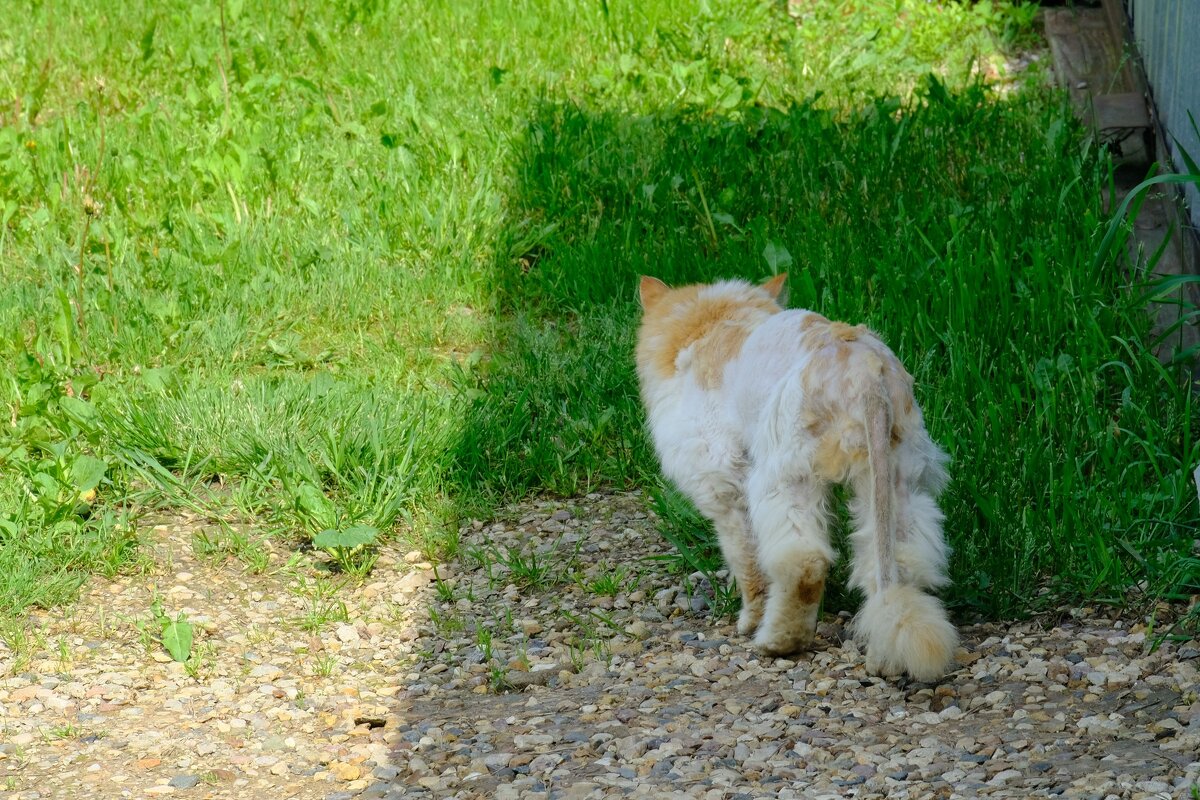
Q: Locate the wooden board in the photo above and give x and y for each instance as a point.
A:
(1088, 59)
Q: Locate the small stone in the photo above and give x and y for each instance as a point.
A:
(1165, 728)
(520, 680)
(347, 634)
(545, 762)
(183, 781)
(266, 672)
(639, 630)
(497, 761)
(529, 741)
(345, 772)
(24, 694)
(273, 743)
(1004, 776)
(413, 581)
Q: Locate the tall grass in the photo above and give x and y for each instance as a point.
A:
(363, 263)
(960, 227)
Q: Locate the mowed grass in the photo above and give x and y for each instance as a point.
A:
(365, 265)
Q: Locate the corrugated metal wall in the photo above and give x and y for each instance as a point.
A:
(1168, 37)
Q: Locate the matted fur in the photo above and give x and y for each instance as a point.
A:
(755, 412)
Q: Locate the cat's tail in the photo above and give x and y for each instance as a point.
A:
(904, 629)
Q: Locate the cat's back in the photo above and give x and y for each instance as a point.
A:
(777, 347)
(798, 363)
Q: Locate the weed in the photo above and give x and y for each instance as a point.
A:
(67, 730)
(588, 640)
(21, 642)
(498, 679)
(483, 640)
(231, 541)
(65, 658)
(447, 622)
(352, 549)
(482, 559)
(611, 581)
(202, 657)
(322, 605)
(530, 569)
(444, 591)
(324, 665)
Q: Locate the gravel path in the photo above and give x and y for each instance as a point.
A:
(557, 657)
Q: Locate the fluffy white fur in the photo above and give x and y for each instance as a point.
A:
(755, 412)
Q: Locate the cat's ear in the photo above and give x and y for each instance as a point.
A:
(776, 288)
(651, 289)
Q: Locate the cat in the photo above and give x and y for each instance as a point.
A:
(755, 412)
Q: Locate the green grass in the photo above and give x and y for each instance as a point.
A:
(366, 265)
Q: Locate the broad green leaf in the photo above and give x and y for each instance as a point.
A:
(177, 637)
(312, 501)
(158, 379)
(46, 485)
(87, 472)
(777, 256)
(79, 411)
(351, 537)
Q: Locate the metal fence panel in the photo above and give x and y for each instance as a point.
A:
(1168, 37)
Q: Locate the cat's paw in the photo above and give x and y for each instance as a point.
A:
(882, 669)
(748, 620)
(782, 643)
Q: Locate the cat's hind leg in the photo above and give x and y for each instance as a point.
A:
(724, 504)
(790, 520)
(737, 546)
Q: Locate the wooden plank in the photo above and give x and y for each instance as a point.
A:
(1087, 58)
(1122, 111)
(1118, 25)
(1124, 125)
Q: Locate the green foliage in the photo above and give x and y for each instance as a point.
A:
(350, 548)
(254, 270)
(55, 523)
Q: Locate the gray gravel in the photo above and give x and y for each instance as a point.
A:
(557, 657)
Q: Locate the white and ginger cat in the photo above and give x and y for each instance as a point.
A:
(755, 412)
